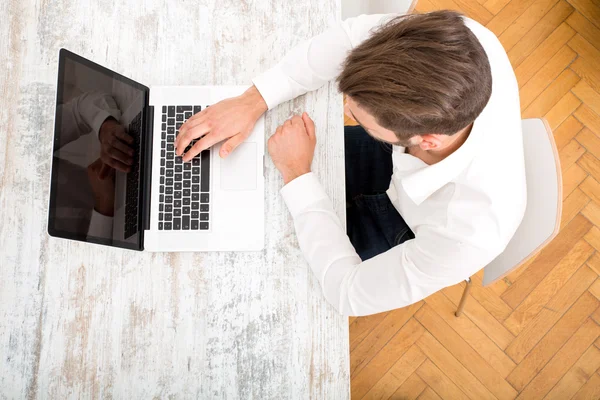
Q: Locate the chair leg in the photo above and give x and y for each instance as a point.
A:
(463, 299)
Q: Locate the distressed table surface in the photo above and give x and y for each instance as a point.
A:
(84, 321)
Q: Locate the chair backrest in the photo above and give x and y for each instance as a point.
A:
(541, 221)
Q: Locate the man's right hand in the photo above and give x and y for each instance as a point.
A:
(114, 147)
(231, 119)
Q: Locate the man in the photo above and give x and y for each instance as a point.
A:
(435, 176)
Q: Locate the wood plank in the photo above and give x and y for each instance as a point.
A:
(590, 164)
(494, 6)
(393, 321)
(585, 28)
(508, 15)
(539, 32)
(552, 94)
(591, 187)
(464, 353)
(593, 238)
(362, 327)
(572, 177)
(592, 212)
(567, 131)
(543, 322)
(531, 16)
(566, 326)
(410, 389)
(561, 110)
(555, 66)
(585, 49)
(594, 263)
(481, 317)
(429, 394)
(438, 381)
(589, 118)
(589, 9)
(577, 376)
(489, 299)
(397, 375)
(595, 289)
(549, 286)
(475, 11)
(362, 382)
(588, 95)
(596, 317)
(587, 71)
(544, 52)
(589, 140)
(570, 154)
(589, 391)
(470, 333)
(562, 361)
(546, 260)
(572, 206)
(452, 368)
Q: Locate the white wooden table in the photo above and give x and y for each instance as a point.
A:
(83, 321)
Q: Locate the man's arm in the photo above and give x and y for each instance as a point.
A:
(315, 61)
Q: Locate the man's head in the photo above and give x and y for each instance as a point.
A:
(422, 75)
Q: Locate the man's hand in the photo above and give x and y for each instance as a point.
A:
(114, 147)
(231, 118)
(292, 147)
(103, 188)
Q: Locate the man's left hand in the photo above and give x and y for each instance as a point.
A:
(292, 147)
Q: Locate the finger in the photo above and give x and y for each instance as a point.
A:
(119, 156)
(122, 147)
(231, 144)
(183, 140)
(111, 162)
(309, 125)
(191, 121)
(201, 145)
(297, 120)
(278, 130)
(105, 171)
(287, 123)
(121, 134)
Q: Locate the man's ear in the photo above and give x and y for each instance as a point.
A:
(430, 142)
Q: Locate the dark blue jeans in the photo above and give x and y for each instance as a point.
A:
(373, 224)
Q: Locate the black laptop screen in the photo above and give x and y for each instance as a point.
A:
(94, 194)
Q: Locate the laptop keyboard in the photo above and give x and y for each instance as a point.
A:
(132, 188)
(184, 199)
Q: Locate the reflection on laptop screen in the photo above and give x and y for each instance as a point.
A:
(90, 200)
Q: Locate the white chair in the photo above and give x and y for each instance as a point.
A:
(544, 205)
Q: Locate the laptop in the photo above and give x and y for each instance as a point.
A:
(161, 203)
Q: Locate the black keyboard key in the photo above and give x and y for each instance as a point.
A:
(170, 147)
(171, 138)
(177, 204)
(178, 168)
(170, 156)
(168, 217)
(185, 222)
(187, 166)
(178, 160)
(179, 117)
(203, 216)
(170, 164)
(185, 210)
(184, 108)
(187, 184)
(177, 185)
(170, 130)
(188, 115)
(197, 109)
(194, 225)
(195, 188)
(195, 196)
(168, 199)
(186, 201)
(171, 122)
(205, 171)
(162, 171)
(204, 197)
(164, 126)
(177, 194)
(169, 173)
(168, 226)
(171, 111)
(163, 135)
(196, 162)
(176, 224)
(187, 175)
(160, 216)
(169, 182)
(164, 109)
(177, 212)
(162, 189)
(168, 208)
(160, 226)
(178, 177)
(178, 125)
(162, 162)
(203, 226)
(161, 198)
(162, 180)
(164, 118)
(161, 207)
(163, 144)
(204, 207)
(169, 190)
(195, 214)
(195, 179)
(195, 205)
(186, 192)
(162, 153)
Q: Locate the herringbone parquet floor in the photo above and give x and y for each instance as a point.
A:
(536, 333)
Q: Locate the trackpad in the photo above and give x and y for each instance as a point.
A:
(238, 171)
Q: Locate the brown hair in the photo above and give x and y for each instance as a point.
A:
(420, 73)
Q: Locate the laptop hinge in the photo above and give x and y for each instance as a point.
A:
(147, 167)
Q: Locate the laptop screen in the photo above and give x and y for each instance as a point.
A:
(96, 177)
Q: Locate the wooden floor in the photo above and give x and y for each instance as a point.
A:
(535, 334)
